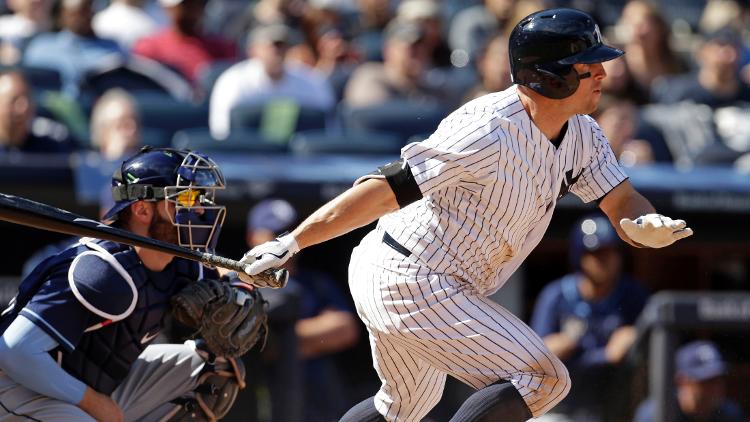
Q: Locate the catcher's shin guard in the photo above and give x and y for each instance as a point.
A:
(218, 385)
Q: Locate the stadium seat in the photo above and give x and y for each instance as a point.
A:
(42, 79)
(200, 139)
(402, 118)
(278, 118)
(136, 75)
(160, 111)
(155, 137)
(371, 45)
(351, 142)
(687, 128)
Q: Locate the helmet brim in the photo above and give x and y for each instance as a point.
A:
(598, 54)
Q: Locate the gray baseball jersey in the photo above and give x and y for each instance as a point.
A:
(490, 181)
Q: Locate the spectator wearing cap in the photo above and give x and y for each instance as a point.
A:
(586, 318)
(401, 75)
(326, 323)
(74, 51)
(426, 13)
(700, 378)
(124, 21)
(717, 83)
(182, 45)
(20, 130)
(266, 76)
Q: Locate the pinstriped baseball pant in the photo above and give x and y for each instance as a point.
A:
(424, 326)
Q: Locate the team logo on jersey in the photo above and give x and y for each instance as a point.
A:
(148, 337)
(568, 182)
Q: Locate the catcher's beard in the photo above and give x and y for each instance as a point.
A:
(162, 229)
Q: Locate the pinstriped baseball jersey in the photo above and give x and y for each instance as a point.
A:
(490, 181)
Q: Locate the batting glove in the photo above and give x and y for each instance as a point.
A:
(655, 230)
(272, 254)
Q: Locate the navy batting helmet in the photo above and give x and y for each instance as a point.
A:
(545, 45)
(591, 234)
(187, 179)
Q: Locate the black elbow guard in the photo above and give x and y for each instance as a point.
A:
(402, 183)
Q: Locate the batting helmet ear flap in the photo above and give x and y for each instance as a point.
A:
(551, 80)
(561, 81)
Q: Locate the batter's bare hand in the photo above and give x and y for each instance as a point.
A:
(655, 230)
(272, 254)
(101, 407)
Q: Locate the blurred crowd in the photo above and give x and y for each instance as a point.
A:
(369, 76)
(351, 75)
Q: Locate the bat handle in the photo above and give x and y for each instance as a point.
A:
(274, 278)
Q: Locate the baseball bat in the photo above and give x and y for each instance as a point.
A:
(29, 213)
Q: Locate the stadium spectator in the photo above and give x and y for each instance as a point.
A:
(426, 13)
(717, 82)
(288, 12)
(700, 373)
(618, 118)
(19, 129)
(472, 27)
(374, 15)
(401, 75)
(327, 46)
(326, 323)
(182, 45)
(621, 83)
(124, 21)
(266, 76)
(334, 56)
(29, 18)
(586, 318)
(115, 125)
(493, 65)
(645, 37)
(76, 49)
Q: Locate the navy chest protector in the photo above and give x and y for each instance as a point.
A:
(109, 280)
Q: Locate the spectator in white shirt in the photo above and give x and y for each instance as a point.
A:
(124, 21)
(29, 17)
(265, 76)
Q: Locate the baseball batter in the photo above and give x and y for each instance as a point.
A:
(459, 213)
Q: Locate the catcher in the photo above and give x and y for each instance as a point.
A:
(75, 341)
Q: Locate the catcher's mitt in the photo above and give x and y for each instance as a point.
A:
(229, 318)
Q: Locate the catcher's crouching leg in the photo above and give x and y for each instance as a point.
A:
(218, 384)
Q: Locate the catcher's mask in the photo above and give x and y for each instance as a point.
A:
(187, 179)
(545, 45)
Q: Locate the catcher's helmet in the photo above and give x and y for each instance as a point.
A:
(545, 45)
(591, 234)
(185, 178)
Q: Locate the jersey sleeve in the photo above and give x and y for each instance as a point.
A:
(55, 309)
(602, 173)
(463, 150)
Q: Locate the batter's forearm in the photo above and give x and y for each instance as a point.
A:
(625, 202)
(357, 207)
